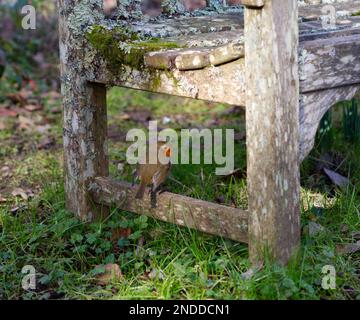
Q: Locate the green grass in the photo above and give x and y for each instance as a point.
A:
(189, 264)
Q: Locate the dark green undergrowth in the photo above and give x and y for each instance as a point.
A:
(163, 261)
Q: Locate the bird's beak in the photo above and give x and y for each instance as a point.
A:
(168, 152)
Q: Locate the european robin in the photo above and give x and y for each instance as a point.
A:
(154, 174)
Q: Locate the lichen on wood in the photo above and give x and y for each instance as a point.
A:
(272, 128)
(204, 216)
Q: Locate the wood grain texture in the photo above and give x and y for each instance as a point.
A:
(330, 63)
(314, 105)
(84, 118)
(328, 59)
(272, 123)
(204, 216)
(224, 83)
(266, 81)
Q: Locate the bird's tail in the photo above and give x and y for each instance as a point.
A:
(141, 191)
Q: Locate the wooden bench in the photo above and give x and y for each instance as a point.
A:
(281, 64)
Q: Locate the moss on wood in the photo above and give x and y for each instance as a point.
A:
(121, 47)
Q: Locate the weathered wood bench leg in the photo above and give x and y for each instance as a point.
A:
(84, 104)
(85, 144)
(272, 119)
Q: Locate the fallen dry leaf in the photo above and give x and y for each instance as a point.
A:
(54, 95)
(33, 107)
(182, 120)
(156, 274)
(248, 275)
(121, 233)
(211, 123)
(140, 246)
(111, 273)
(349, 248)
(18, 97)
(22, 193)
(5, 112)
(166, 120)
(19, 192)
(43, 128)
(5, 172)
(356, 235)
(329, 160)
(46, 143)
(352, 292)
(15, 210)
(337, 179)
(315, 228)
(2, 125)
(55, 110)
(120, 167)
(25, 123)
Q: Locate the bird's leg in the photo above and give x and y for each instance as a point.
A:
(153, 198)
(134, 177)
(153, 194)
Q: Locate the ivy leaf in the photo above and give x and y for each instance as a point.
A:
(97, 270)
(75, 237)
(123, 242)
(45, 279)
(91, 238)
(110, 258)
(111, 272)
(136, 235)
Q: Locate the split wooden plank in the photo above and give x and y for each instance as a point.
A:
(226, 54)
(194, 58)
(204, 216)
(161, 60)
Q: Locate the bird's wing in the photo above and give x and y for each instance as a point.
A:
(160, 175)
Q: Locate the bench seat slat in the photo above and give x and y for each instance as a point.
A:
(194, 58)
